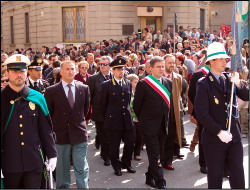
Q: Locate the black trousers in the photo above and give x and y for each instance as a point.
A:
(23, 180)
(183, 137)
(168, 153)
(154, 147)
(138, 139)
(201, 153)
(103, 136)
(127, 136)
(220, 156)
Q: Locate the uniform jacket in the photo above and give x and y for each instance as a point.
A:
(192, 87)
(94, 84)
(211, 104)
(150, 108)
(28, 130)
(69, 124)
(114, 104)
(42, 85)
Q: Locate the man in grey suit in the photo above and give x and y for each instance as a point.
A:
(94, 84)
(68, 103)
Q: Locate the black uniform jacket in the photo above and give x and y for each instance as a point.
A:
(212, 105)
(192, 87)
(28, 130)
(114, 103)
(69, 124)
(150, 108)
(94, 84)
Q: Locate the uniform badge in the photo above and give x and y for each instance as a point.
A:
(120, 61)
(32, 106)
(18, 58)
(12, 102)
(211, 78)
(216, 100)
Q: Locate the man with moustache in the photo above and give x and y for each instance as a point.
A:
(26, 130)
(34, 79)
(152, 104)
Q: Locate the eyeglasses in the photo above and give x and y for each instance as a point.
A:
(103, 64)
(7, 80)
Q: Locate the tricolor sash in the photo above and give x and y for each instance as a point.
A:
(159, 88)
(205, 69)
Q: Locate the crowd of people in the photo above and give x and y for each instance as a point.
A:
(136, 90)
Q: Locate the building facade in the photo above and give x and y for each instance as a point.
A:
(26, 24)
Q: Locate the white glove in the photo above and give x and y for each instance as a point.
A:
(2, 174)
(235, 77)
(225, 136)
(52, 164)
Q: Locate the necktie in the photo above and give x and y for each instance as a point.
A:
(120, 83)
(35, 86)
(70, 97)
(107, 77)
(221, 82)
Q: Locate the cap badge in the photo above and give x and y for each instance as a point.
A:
(39, 61)
(120, 61)
(211, 78)
(18, 58)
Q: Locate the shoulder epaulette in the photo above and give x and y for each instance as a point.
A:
(202, 78)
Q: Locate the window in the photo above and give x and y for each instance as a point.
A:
(27, 28)
(12, 30)
(202, 19)
(73, 24)
(127, 29)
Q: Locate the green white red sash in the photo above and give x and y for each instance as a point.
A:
(159, 88)
(205, 69)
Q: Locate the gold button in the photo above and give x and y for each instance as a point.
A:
(21, 125)
(225, 110)
(123, 94)
(21, 133)
(21, 116)
(22, 143)
(110, 116)
(123, 100)
(123, 113)
(34, 114)
(123, 107)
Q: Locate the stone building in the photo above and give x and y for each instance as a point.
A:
(26, 24)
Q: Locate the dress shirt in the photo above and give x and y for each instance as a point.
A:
(118, 81)
(66, 88)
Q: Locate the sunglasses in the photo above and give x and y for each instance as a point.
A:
(7, 80)
(103, 64)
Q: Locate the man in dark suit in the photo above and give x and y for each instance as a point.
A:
(222, 148)
(114, 103)
(34, 79)
(26, 130)
(94, 84)
(191, 94)
(152, 107)
(68, 103)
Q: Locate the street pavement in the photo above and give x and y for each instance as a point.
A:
(185, 175)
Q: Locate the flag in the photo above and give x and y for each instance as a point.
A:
(239, 28)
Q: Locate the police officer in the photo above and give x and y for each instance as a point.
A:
(114, 103)
(34, 79)
(221, 148)
(26, 130)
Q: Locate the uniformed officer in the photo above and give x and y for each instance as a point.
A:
(34, 79)
(221, 148)
(114, 103)
(26, 130)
